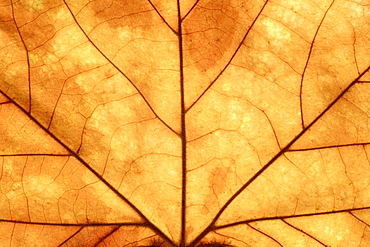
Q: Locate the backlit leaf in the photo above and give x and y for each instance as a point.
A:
(184, 123)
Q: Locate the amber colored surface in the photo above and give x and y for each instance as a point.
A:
(184, 123)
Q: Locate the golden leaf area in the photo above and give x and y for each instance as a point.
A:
(188, 123)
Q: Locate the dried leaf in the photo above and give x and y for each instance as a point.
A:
(200, 123)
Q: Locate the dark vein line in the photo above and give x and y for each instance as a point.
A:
(2, 170)
(305, 233)
(118, 69)
(308, 59)
(287, 217)
(152, 238)
(364, 82)
(6, 102)
(48, 39)
(40, 12)
(232, 57)
(24, 192)
(357, 218)
(72, 224)
(83, 162)
(190, 10)
(286, 148)
(325, 147)
(27, 57)
(12, 234)
(265, 234)
(354, 51)
(183, 131)
(56, 155)
(163, 19)
(56, 103)
(70, 237)
(272, 127)
(107, 235)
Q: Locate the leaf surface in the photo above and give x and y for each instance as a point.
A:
(192, 123)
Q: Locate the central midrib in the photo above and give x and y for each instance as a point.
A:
(183, 130)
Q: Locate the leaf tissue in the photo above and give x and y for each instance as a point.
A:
(184, 123)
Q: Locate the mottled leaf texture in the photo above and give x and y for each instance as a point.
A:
(196, 123)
